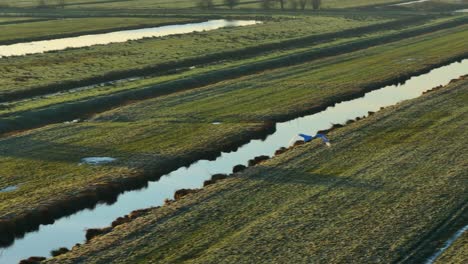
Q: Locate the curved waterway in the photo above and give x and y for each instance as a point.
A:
(68, 231)
(118, 36)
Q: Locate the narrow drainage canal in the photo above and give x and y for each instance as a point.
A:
(118, 36)
(447, 244)
(410, 2)
(68, 231)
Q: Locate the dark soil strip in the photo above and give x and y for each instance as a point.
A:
(18, 225)
(228, 55)
(85, 108)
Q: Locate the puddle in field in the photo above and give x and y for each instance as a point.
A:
(216, 123)
(447, 244)
(9, 189)
(97, 160)
(68, 231)
(117, 36)
(462, 11)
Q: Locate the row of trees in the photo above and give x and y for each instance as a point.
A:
(268, 4)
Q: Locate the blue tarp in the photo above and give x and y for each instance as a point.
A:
(308, 138)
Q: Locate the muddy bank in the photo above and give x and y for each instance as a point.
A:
(165, 68)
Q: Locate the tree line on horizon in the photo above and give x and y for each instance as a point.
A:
(268, 4)
(208, 4)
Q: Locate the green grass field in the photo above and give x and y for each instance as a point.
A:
(74, 104)
(144, 136)
(42, 70)
(386, 182)
(379, 195)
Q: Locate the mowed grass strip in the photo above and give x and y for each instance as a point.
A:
(151, 134)
(386, 182)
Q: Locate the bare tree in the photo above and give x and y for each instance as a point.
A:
(303, 4)
(231, 3)
(205, 4)
(316, 4)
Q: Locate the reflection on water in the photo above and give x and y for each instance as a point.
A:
(70, 230)
(118, 36)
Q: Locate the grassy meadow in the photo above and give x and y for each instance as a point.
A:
(145, 135)
(65, 106)
(42, 70)
(387, 182)
(387, 187)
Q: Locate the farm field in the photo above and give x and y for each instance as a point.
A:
(311, 203)
(86, 133)
(144, 136)
(42, 70)
(16, 110)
